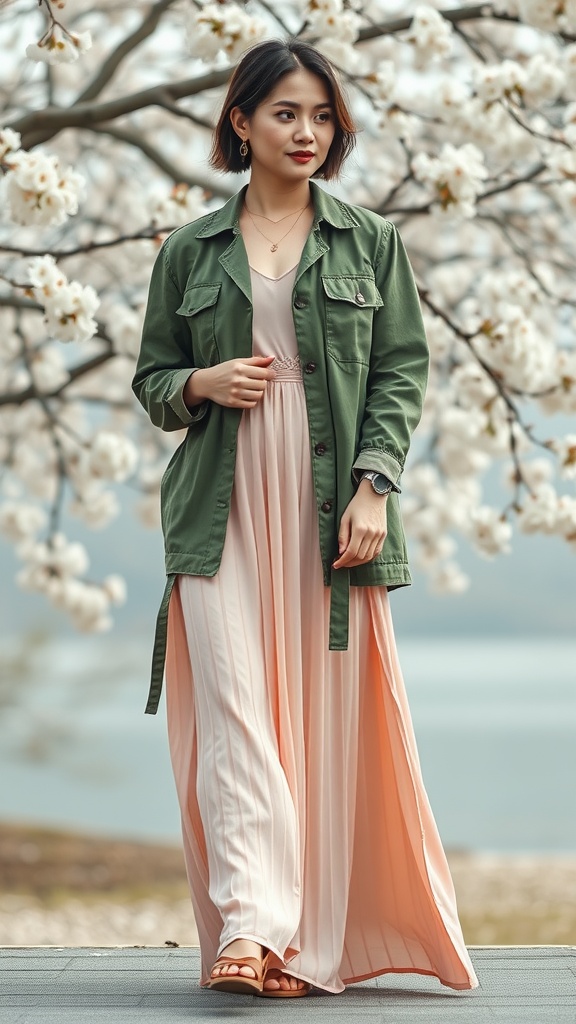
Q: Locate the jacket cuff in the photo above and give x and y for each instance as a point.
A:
(380, 462)
(175, 398)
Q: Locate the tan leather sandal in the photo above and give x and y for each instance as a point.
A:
(240, 982)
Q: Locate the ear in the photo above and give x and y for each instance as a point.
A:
(240, 122)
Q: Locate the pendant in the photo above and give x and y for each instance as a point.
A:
(274, 247)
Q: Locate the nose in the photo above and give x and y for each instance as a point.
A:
(304, 131)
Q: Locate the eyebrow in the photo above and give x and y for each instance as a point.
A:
(290, 103)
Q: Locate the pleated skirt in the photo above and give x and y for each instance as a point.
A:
(306, 823)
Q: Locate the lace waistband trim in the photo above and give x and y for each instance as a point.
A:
(287, 368)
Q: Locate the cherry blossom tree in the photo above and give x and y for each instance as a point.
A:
(468, 142)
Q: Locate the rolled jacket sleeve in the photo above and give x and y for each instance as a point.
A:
(164, 361)
(399, 363)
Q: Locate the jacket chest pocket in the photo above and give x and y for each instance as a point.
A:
(199, 309)
(350, 305)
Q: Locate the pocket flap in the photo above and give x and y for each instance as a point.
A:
(199, 297)
(360, 291)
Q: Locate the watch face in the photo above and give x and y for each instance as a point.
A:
(380, 484)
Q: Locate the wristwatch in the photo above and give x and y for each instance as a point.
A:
(380, 483)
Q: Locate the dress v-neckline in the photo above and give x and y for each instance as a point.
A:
(267, 278)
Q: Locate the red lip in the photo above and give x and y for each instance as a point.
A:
(301, 152)
(301, 158)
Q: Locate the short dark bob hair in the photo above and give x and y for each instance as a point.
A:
(254, 78)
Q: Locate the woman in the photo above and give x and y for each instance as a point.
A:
(284, 331)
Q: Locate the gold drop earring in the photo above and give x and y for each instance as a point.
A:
(244, 149)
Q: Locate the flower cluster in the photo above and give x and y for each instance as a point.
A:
(513, 336)
(53, 569)
(59, 46)
(223, 29)
(111, 457)
(36, 189)
(543, 14)
(9, 143)
(455, 175)
(539, 81)
(335, 31)
(69, 306)
(430, 34)
(180, 206)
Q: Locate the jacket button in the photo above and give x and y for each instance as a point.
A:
(360, 298)
(299, 302)
(326, 506)
(320, 448)
(310, 367)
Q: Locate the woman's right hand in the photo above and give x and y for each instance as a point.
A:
(237, 383)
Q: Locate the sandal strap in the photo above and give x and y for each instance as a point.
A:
(250, 961)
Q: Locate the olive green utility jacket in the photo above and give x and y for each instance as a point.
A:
(364, 357)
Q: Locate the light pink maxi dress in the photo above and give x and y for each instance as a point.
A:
(305, 819)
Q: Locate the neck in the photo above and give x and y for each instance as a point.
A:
(274, 199)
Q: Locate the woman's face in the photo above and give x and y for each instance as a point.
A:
(291, 131)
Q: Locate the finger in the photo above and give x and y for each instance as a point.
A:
(252, 384)
(259, 360)
(257, 373)
(344, 533)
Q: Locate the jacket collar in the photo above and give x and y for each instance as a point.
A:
(326, 207)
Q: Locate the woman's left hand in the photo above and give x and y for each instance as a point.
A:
(363, 528)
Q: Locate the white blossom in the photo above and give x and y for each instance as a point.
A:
(489, 532)
(48, 369)
(37, 190)
(341, 52)
(223, 29)
(86, 604)
(430, 33)
(124, 325)
(545, 80)
(20, 521)
(69, 306)
(115, 587)
(434, 550)
(548, 15)
(562, 396)
(566, 522)
(59, 47)
(329, 23)
(472, 385)
(498, 81)
(9, 142)
(180, 206)
(381, 82)
(455, 175)
(534, 472)
(111, 456)
(94, 506)
(539, 511)
(398, 123)
(448, 578)
(565, 448)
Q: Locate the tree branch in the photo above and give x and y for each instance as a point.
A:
(454, 15)
(113, 61)
(136, 139)
(20, 397)
(41, 125)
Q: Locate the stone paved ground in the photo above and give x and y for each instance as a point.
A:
(40, 985)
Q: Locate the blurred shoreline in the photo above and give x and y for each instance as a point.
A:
(67, 888)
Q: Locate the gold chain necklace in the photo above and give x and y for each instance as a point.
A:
(275, 245)
(280, 219)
